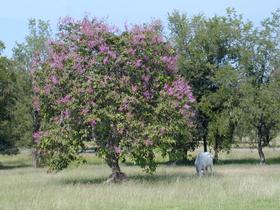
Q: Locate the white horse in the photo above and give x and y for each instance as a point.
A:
(203, 161)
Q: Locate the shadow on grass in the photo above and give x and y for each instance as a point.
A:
(139, 178)
(131, 178)
(83, 180)
(166, 178)
(238, 161)
(14, 164)
(274, 160)
(248, 161)
(167, 163)
(228, 161)
(7, 167)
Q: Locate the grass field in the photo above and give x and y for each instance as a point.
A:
(238, 182)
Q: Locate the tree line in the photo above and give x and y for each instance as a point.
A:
(210, 81)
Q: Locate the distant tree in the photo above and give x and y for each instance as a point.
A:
(260, 83)
(209, 58)
(7, 102)
(35, 45)
(120, 90)
(222, 108)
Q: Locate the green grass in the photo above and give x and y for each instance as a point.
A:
(234, 185)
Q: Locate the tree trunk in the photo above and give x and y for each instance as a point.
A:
(261, 154)
(216, 155)
(35, 158)
(117, 176)
(35, 153)
(204, 143)
(216, 149)
(261, 140)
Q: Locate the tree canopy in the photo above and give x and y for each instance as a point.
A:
(118, 89)
(232, 67)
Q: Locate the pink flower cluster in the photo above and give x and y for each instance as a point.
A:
(64, 100)
(93, 122)
(179, 89)
(124, 106)
(182, 93)
(170, 61)
(38, 135)
(118, 150)
(54, 79)
(66, 114)
(57, 59)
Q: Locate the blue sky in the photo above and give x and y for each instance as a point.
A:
(14, 14)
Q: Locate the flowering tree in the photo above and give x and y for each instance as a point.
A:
(119, 89)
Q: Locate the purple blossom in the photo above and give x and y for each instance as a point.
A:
(66, 20)
(118, 150)
(92, 61)
(146, 78)
(54, 79)
(66, 99)
(66, 114)
(47, 89)
(170, 91)
(181, 92)
(138, 63)
(147, 95)
(183, 112)
(179, 89)
(138, 38)
(165, 59)
(36, 89)
(37, 135)
(191, 98)
(93, 122)
(134, 88)
(124, 106)
(80, 63)
(157, 39)
(112, 54)
(170, 61)
(186, 106)
(106, 60)
(87, 27)
(103, 48)
(91, 43)
(57, 60)
(131, 51)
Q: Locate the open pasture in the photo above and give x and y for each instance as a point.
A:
(238, 182)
